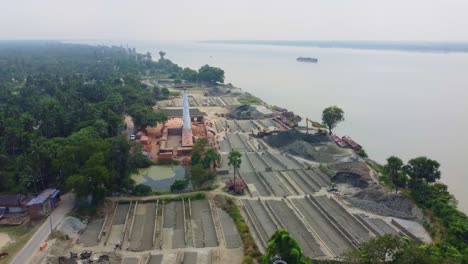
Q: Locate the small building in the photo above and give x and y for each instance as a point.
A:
(13, 203)
(43, 204)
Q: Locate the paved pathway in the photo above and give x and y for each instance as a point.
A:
(65, 206)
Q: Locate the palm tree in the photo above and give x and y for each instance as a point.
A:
(235, 161)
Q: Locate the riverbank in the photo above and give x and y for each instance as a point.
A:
(283, 168)
(356, 80)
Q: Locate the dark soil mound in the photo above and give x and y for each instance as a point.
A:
(352, 179)
(380, 202)
(287, 137)
(358, 168)
(245, 112)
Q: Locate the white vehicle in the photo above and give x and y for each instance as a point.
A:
(132, 137)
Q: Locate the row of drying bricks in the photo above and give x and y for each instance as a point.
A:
(213, 101)
(321, 225)
(286, 183)
(179, 257)
(157, 225)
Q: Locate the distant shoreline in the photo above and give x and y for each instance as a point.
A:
(409, 46)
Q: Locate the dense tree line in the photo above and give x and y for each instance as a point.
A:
(418, 180)
(206, 74)
(19, 59)
(61, 116)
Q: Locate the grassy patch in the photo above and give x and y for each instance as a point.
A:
(251, 252)
(59, 235)
(377, 168)
(248, 99)
(20, 235)
(192, 196)
(383, 178)
(327, 170)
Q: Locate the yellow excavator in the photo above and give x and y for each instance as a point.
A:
(317, 125)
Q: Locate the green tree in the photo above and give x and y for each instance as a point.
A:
(210, 158)
(199, 175)
(178, 185)
(284, 246)
(199, 145)
(189, 75)
(234, 160)
(394, 170)
(144, 116)
(376, 250)
(162, 54)
(399, 250)
(196, 158)
(210, 74)
(331, 116)
(422, 170)
(165, 92)
(142, 190)
(148, 55)
(92, 179)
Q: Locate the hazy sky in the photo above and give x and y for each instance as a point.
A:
(235, 19)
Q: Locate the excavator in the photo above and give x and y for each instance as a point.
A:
(317, 125)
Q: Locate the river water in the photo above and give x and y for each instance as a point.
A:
(407, 104)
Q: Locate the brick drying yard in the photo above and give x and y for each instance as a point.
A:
(165, 231)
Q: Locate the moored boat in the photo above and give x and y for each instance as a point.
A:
(351, 143)
(338, 140)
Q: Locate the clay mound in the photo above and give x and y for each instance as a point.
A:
(246, 112)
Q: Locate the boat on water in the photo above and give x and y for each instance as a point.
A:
(307, 59)
(351, 143)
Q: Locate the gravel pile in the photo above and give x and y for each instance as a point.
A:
(352, 179)
(246, 112)
(287, 137)
(71, 226)
(380, 202)
(358, 168)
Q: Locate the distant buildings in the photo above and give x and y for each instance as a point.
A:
(13, 203)
(19, 206)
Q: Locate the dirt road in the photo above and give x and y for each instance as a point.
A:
(41, 234)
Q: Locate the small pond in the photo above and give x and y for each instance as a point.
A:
(160, 177)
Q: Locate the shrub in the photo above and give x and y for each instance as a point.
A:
(178, 185)
(248, 260)
(251, 251)
(362, 153)
(141, 190)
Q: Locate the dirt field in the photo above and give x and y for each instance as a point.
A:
(89, 237)
(203, 226)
